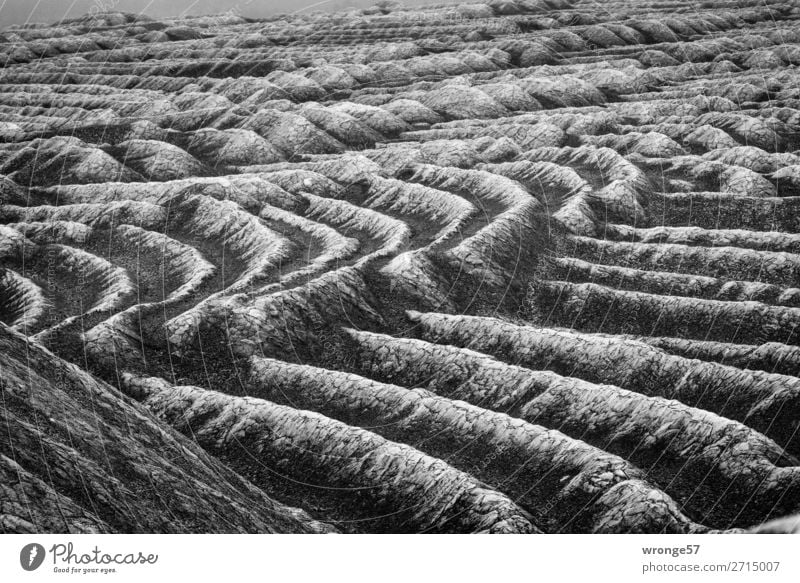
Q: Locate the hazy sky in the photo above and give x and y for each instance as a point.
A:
(18, 11)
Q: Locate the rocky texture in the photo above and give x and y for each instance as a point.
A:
(355, 474)
(507, 266)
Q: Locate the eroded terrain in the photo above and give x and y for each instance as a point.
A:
(517, 266)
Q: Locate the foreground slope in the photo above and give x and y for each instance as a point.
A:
(509, 266)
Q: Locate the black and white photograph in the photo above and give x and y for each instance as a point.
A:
(407, 267)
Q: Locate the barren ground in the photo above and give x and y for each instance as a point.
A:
(515, 266)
